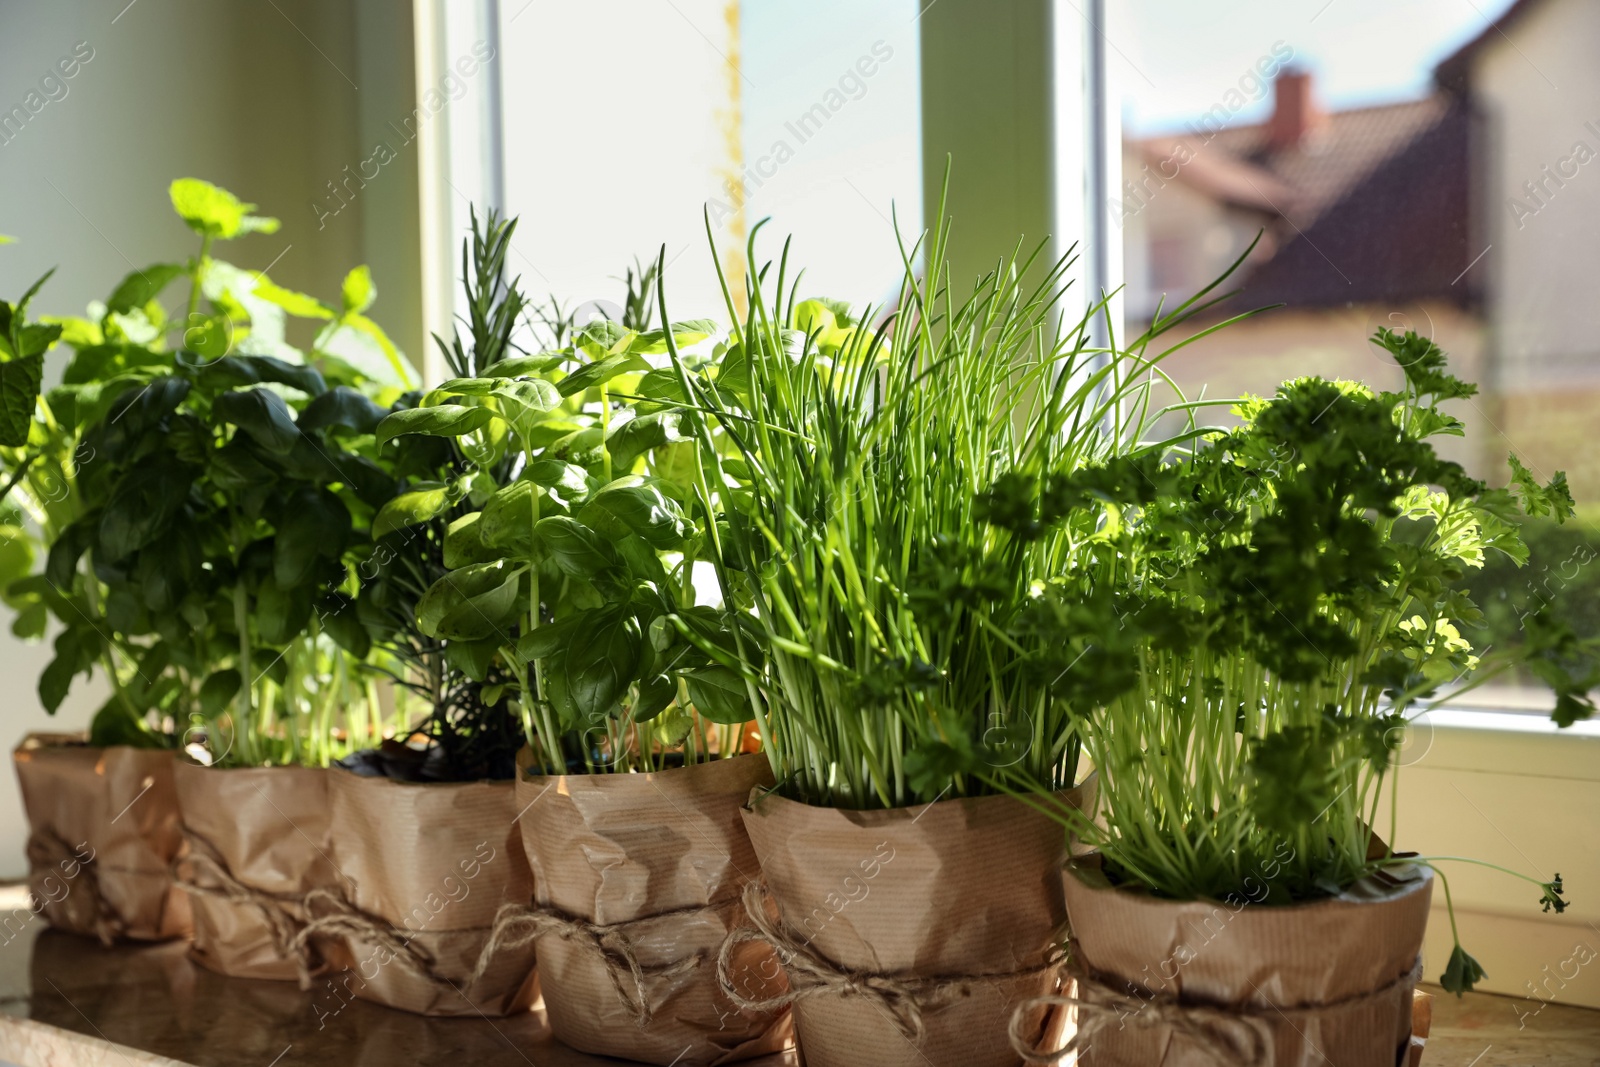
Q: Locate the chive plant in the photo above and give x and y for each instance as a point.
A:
(850, 517)
(1255, 619)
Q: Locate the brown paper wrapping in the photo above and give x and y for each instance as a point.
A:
(1271, 960)
(104, 830)
(618, 848)
(266, 830)
(424, 867)
(955, 889)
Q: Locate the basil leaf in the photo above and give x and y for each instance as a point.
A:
(442, 420)
(262, 414)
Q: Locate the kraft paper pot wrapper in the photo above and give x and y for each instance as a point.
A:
(660, 861)
(958, 900)
(104, 830)
(421, 870)
(258, 841)
(1325, 981)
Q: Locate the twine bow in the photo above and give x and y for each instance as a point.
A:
(519, 925)
(48, 849)
(1233, 1036)
(905, 1000)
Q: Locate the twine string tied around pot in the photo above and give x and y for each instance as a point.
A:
(519, 925)
(48, 849)
(1235, 1036)
(210, 876)
(328, 913)
(906, 1000)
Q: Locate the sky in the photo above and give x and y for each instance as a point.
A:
(1174, 59)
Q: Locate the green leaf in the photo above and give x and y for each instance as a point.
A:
(315, 527)
(1461, 973)
(720, 695)
(281, 614)
(637, 436)
(214, 211)
(19, 396)
(169, 567)
(506, 521)
(230, 372)
(523, 366)
(358, 291)
(143, 286)
(471, 604)
(656, 694)
(297, 304)
(341, 406)
(141, 507)
(574, 548)
(442, 420)
(262, 414)
(684, 334)
(473, 658)
(1554, 500)
(410, 509)
(600, 372)
(602, 658)
(464, 546)
(61, 562)
(340, 618)
(631, 505)
(32, 622)
(601, 337)
(570, 479)
(533, 396)
(547, 640)
(114, 724)
(76, 651)
(217, 692)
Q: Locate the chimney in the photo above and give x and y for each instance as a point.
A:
(1295, 115)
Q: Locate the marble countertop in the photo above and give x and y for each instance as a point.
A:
(66, 1000)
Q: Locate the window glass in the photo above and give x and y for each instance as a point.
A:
(623, 122)
(1421, 164)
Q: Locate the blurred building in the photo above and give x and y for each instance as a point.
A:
(1470, 215)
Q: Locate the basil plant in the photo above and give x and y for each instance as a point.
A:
(218, 489)
(570, 549)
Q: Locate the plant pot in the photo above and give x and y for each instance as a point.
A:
(257, 844)
(1182, 983)
(909, 934)
(421, 870)
(645, 871)
(104, 831)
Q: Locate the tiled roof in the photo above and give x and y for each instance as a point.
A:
(1373, 206)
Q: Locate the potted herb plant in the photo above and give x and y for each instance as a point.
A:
(574, 575)
(915, 901)
(1258, 614)
(425, 824)
(221, 496)
(102, 811)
